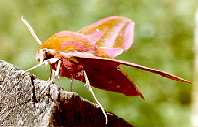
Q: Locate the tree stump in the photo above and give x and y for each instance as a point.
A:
(28, 101)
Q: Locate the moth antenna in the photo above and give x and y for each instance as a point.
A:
(87, 84)
(31, 30)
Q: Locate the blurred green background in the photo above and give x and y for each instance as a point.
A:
(163, 39)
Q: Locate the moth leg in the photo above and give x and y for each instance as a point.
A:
(87, 84)
(47, 87)
(51, 60)
(56, 73)
(51, 73)
(38, 65)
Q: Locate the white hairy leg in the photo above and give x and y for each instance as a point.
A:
(87, 84)
(51, 60)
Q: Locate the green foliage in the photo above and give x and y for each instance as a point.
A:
(163, 39)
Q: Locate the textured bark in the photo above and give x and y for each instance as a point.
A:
(28, 101)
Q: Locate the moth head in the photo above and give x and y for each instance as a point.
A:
(44, 54)
(41, 55)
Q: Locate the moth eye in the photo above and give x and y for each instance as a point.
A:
(44, 50)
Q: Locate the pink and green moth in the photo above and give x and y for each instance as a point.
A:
(89, 55)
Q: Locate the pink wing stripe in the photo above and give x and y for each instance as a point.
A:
(112, 52)
(95, 36)
(128, 35)
(74, 35)
(113, 34)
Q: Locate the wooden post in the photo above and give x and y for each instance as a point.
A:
(25, 101)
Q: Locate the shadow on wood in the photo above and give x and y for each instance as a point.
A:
(27, 101)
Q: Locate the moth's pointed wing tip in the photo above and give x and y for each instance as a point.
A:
(179, 79)
(155, 71)
(174, 77)
(139, 94)
(142, 96)
(187, 81)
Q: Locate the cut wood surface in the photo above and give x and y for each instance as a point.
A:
(27, 101)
